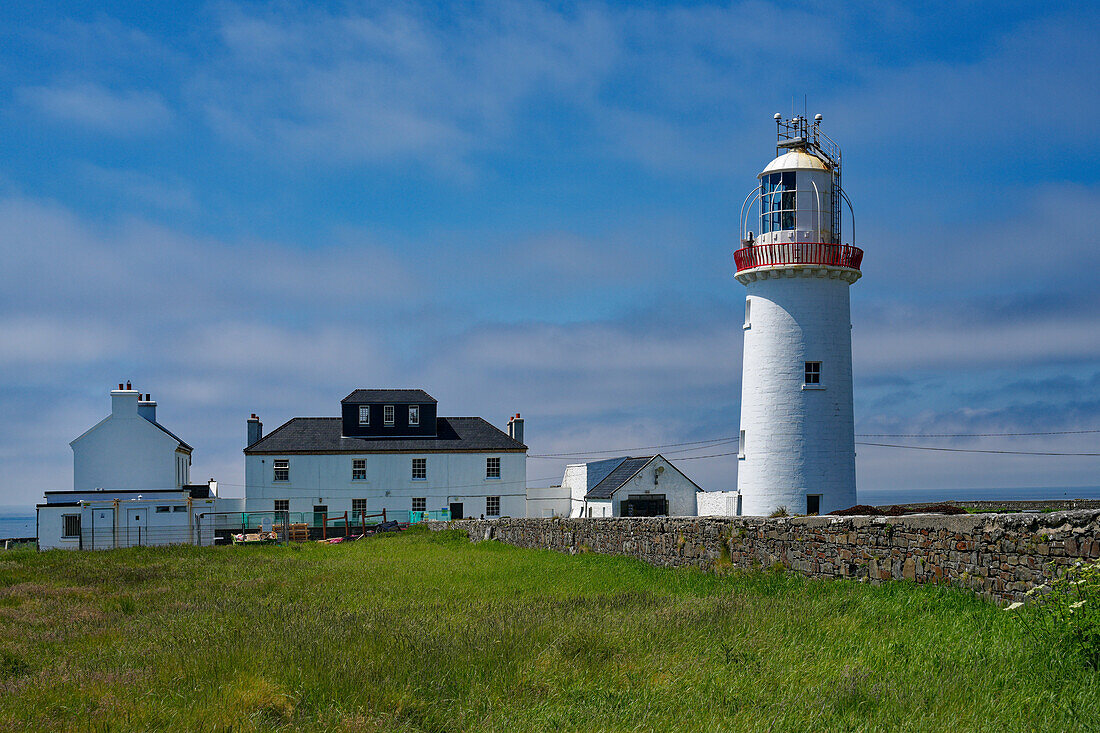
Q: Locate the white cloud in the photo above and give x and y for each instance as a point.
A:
(392, 85)
(93, 106)
(29, 341)
(162, 191)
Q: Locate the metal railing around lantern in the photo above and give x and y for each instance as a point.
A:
(798, 253)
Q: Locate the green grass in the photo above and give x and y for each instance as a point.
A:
(429, 632)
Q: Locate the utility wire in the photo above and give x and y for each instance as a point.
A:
(700, 444)
(631, 450)
(970, 435)
(974, 450)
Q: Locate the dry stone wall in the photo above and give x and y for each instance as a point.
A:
(999, 556)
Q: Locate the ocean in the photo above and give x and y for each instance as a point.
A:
(17, 525)
(878, 497)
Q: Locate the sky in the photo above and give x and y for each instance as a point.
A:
(528, 207)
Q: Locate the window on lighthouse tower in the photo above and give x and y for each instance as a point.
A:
(777, 201)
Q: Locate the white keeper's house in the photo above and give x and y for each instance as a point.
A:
(388, 449)
(131, 484)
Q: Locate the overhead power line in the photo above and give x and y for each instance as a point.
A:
(974, 450)
(970, 435)
(631, 450)
(713, 442)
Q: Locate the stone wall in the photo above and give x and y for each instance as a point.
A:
(999, 556)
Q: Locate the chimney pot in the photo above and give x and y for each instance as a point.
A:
(255, 429)
(120, 386)
(128, 384)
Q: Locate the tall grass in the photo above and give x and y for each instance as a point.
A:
(426, 632)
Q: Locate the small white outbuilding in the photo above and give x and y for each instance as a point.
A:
(644, 486)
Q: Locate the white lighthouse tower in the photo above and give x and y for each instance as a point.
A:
(797, 439)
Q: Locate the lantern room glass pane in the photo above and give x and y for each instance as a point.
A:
(778, 201)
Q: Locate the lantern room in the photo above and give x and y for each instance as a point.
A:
(796, 193)
(799, 200)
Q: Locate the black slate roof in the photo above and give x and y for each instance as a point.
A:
(402, 396)
(324, 435)
(171, 434)
(622, 473)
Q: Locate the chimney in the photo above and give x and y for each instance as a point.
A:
(213, 488)
(124, 402)
(147, 408)
(515, 428)
(255, 429)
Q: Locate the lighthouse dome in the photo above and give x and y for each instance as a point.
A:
(795, 160)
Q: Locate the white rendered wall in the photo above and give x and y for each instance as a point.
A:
(125, 451)
(50, 527)
(717, 503)
(553, 501)
(575, 481)
(798, 441)
(326, 479)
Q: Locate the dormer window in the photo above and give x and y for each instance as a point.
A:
(364, 414)
(387, 416)
(414, 415)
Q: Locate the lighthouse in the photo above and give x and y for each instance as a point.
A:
(796, 447)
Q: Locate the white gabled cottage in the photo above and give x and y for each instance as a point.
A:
(129, 449)
(131, 484)
(389, 450)
(646, 486)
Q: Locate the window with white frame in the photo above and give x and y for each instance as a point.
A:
(420, 503)
(281, 470)
(492, 506)
(741, 445)
(70, 525)
(419, 469)
(813, 372)
(387, 415)
(414, 415)
(358, 509)
(359, 469)
(364, 414)
(748, 311)
(492, 468)
(179, 508)
(282, 505)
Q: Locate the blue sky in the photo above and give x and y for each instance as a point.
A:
(524, 207)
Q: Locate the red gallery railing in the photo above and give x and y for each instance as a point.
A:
(798, 253)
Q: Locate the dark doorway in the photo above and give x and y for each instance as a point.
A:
(456, 510)
(319, 513)
(813, 503)
(644, 505)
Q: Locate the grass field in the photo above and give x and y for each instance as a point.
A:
(429, 632)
